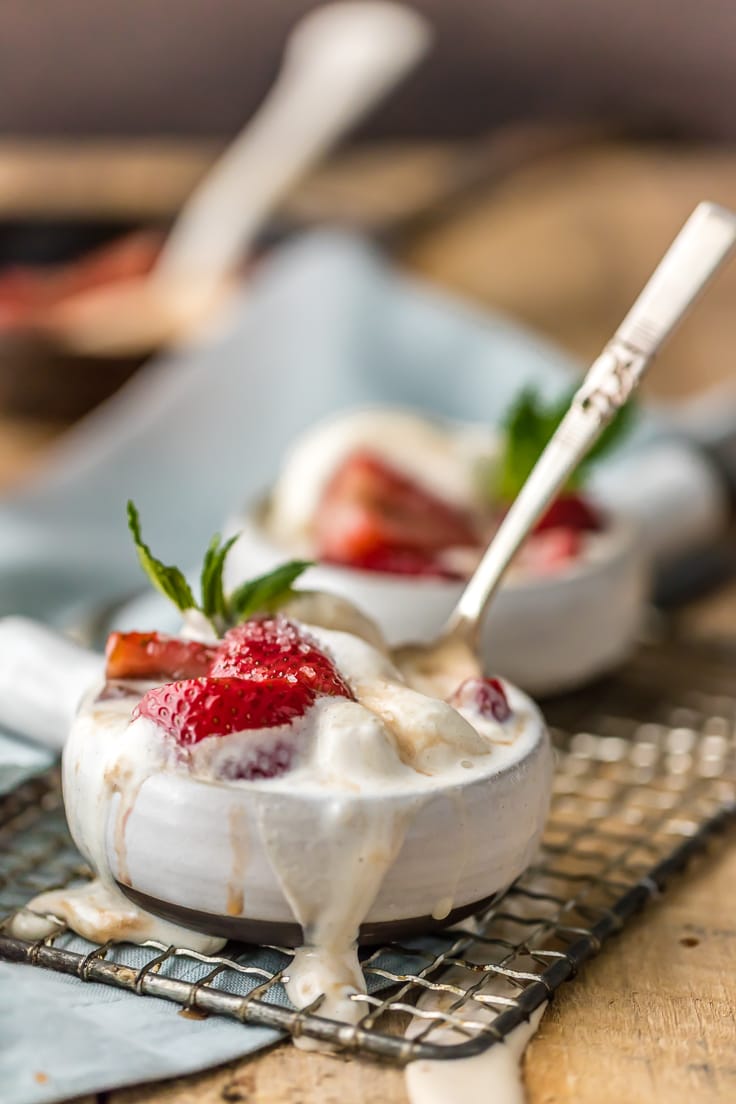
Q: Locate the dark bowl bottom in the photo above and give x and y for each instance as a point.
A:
(243, 930)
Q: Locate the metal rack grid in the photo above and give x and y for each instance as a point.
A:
(646, 775)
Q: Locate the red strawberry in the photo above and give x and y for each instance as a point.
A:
(570, 511)
(273, 647)
(550, 550)
(370, 509)
(136, 655)
(194, 709)
(121, 259)
(401, 561)
(27, 294)
(485, 696)
(20, 292)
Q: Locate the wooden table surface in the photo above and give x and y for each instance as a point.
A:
(565, 245)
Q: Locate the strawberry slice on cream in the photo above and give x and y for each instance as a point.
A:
(374, 517)
(152, 655)
(197, 709)
(393, 492)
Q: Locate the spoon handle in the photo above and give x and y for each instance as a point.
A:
(339, 61)
(696, 253)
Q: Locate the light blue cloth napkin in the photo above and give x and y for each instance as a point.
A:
(323, 325)
(60, 1037)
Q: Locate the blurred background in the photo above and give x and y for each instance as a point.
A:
(537, 161)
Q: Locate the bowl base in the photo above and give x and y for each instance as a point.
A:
(243, 929)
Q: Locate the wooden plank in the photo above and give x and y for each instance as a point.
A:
(140, 180)
(653, 1017)
(97, 179)
(284, 1075)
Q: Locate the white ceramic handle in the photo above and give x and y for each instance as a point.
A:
(700, 248)
(42, 679)
(338, 61)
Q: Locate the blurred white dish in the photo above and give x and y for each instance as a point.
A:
(546, 633)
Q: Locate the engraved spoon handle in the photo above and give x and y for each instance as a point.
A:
(696, 253)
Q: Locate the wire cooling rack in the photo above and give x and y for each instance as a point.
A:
(646, 775)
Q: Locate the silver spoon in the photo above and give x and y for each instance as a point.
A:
(697, 252)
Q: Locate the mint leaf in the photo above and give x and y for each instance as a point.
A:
(213, 598)
(528, 427)
(266, 592)
(169, 580)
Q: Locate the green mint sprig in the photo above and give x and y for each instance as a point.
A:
(528, 426)
(265, 593)
(169, 581)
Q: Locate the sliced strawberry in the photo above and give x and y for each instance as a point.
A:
(123, 258)
(194, 709)
(570, 511)
(550, 550)
(274, 647)
(485, 696)
(401, 561)
(137, 655)
(21, 291)
(26, 292)
(368, 509)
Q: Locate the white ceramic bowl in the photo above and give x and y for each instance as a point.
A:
(187, 842)
(546, 633)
